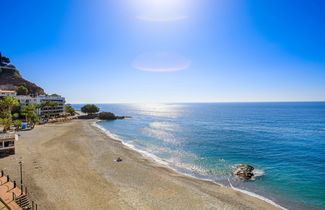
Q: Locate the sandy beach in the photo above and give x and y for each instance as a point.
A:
(71, 166)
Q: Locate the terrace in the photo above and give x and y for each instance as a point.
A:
(7, 142)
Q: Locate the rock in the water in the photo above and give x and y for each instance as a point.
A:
(244, 171)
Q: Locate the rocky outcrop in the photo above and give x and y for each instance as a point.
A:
(103, 116)
(110, 116)
(244, 171)
(10, 79)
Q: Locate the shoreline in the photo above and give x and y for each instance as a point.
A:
(165, 164)
(71, 166)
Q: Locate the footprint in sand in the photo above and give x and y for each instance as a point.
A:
(36, 165)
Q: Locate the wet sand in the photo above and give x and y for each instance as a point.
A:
(71, 166)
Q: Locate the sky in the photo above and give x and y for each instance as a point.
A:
(158, 51)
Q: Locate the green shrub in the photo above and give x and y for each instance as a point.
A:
(90, 109)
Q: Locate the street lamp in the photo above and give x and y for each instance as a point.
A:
(21, 173)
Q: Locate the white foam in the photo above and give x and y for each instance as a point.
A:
(107, 132)
(257, 196)
(258, 172)
(166, 163)
(142, 152)
(189, 167)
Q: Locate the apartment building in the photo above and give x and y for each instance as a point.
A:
(47, 110)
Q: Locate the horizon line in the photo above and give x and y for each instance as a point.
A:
(200, 102)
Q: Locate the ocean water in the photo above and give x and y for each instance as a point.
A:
(285, 142)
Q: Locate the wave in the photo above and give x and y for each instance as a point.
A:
(257, 196)
(169, 164)
(257, 172)
(144, 153)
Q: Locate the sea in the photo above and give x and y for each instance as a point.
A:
(284, 142)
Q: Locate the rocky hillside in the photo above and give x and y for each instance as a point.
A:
(10, 79)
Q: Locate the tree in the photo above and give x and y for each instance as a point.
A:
(33, 120)
(22, 90)
(29, 112)
(18, 124)
(107, 116)
(15, 116)
(69, 109)
(5, 60)
(6, 123)
(54, 94)
(47, 104)
(54, 104)
(6, 106)
(90, 109)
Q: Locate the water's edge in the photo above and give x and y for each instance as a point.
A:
(161, 162)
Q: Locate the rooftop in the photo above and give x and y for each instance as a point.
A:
(7, 91)
(4, 136)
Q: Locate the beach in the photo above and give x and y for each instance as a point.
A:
(71, 166)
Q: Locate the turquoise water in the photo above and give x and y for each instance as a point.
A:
(284, 141)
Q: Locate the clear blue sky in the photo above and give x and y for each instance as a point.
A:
(111, 51)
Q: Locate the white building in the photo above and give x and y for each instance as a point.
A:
(4, 93)
(25, 100)
(51, 111)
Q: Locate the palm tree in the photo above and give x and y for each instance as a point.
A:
(6, 106)
(30, 114)
(69, 109)
(48, 104)
(8, 103)
(54, 104)
(6, 124)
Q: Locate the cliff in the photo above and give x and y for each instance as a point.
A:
(10, 79)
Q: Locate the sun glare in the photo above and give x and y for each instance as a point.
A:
(161, 62)
(164, 4)
(161, 10)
